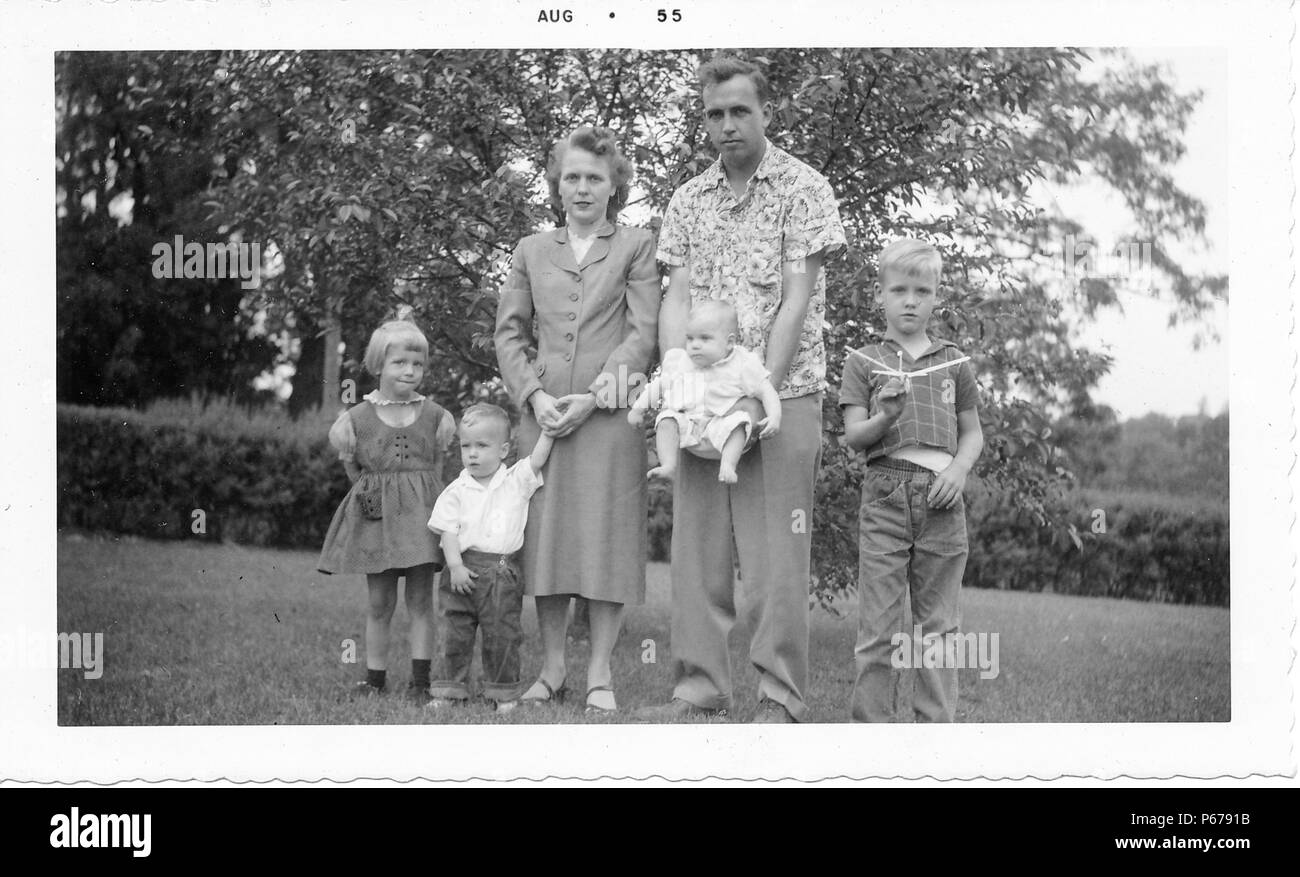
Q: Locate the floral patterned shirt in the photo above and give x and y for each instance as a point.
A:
(735, 250)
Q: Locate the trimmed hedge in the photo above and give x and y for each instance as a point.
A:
(263, 479)
(1154, 547)
(258, 480)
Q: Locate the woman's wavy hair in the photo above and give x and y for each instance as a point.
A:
(599, 142)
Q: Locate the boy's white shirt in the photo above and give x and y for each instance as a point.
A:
(488, 518)
(713, 389)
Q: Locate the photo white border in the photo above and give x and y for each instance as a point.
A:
(1258, 739)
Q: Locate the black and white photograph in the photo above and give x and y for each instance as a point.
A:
(388, 398)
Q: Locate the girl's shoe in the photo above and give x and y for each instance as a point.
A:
(600, 707)
(553, 695)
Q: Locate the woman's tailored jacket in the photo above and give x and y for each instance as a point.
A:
(597, 318)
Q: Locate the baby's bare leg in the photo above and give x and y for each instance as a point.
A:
(732, 448)
(667, 438)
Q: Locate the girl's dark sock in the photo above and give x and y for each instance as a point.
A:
(376, 678)
(420, 668)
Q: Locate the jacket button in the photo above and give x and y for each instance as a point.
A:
(572, 316)
(573, 296)
(568, 356)
(568, 336)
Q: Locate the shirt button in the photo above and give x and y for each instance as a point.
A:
(572, 316)
(573, 296)
(568, 336)
(568, 356)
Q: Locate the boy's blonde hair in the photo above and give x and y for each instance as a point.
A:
(482, 412)
(911, 257)
(390, 334)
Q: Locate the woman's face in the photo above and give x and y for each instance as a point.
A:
(585, 187)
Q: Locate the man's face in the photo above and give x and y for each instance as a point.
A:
(736, 121)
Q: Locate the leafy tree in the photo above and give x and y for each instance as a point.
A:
(128, 126)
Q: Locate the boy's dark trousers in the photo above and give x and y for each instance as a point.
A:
(493, 604)
(905, 546)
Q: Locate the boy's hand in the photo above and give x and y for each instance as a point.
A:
(890, 398)
(947, 486)
(770, 425)
(635, 416)
(462, 579)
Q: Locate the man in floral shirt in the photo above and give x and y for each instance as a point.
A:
(753, 230)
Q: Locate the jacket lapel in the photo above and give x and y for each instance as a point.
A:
(561, 253)
(600, 246)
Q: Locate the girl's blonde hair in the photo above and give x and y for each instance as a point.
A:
(389, 335)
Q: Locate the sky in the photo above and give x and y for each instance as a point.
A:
(1156, 368)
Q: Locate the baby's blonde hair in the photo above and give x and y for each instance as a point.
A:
(911, 257)
(721, 311)
(387, 336)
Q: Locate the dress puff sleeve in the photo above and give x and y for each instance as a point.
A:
(446, 433)
(343, 438)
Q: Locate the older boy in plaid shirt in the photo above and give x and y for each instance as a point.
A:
(911, 404)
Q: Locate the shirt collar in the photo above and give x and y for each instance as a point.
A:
(936, 344)
(766, 165)
(497, 477)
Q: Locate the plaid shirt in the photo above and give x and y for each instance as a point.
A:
(736, 250)
(929, 417)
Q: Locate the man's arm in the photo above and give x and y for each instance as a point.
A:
(676, 308)
(797, 280)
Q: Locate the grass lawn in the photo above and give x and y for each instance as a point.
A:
(223, 634)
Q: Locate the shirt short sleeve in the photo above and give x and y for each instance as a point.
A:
(674, 234)
(525, 478)
(753, 374)
(446, 511)
(343, 438)
(813, 223)
(855, 388)
(968, 395)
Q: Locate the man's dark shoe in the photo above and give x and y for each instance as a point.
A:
(678, 710)
(771, 713)
(418, 694)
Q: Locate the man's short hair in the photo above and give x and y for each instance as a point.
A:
(486, 412)
(911, 257)
(724, 67)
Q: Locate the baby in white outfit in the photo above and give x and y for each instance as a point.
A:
(697, 391)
